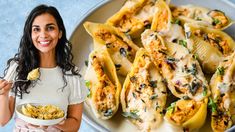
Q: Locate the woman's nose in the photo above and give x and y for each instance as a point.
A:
(43, 34)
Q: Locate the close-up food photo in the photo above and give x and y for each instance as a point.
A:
(119, 66)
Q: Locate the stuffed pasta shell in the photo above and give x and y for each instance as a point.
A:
(194, 14)
(188, 114)
(209, 44)
(165, 24)
(103, 84)
(121, 49)
(134, 17)
(223, 97)
(162, 17)
(181, 70)
(143, 96)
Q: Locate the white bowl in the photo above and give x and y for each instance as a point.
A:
(35, 121)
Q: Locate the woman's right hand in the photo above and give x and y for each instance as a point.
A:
(5, 87)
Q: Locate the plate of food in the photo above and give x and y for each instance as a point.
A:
(156, 65)
(40, 114)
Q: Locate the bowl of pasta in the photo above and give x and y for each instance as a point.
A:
(40, 114)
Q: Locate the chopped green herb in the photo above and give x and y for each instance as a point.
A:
(142, 100)
(225, 60)
(193, 70)
(217, 40)
(152, 97)
(134, 111)
(194, 87)
(142, 85)
(198, 19)
(157, 107)
(172, 107)
(204, 90)
(220, 70)
(171, 60)
(212, 105)
(130, 115)
(175, 21)
(109, 112)
(87, 83)
(215, 21)
(148, 26)
(153, 84)
(108, 45)
(118, 66)
(134, 95)
(195, 56)
(86, 62)
(186, 98)
(223, 86)
(183, 43)
(89, 94)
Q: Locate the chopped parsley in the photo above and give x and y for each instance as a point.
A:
(86, 62)
(183, 43)
(220, 70)
(212, 105)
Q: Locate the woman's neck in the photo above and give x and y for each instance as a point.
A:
(47, 60)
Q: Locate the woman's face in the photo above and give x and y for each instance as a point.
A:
(45, 33)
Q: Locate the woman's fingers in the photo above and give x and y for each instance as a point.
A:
(3, 83)
(5, 86)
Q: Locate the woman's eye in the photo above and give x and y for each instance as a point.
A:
(50, 28)
(36, 29)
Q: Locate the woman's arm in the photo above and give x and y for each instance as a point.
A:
(73, 121)
(6, 102)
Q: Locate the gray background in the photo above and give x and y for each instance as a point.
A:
(13, 14)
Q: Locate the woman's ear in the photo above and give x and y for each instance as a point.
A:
(60, 34)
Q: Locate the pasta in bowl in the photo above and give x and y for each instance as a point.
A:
(40, 114)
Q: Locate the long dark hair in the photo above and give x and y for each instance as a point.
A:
(28, 56)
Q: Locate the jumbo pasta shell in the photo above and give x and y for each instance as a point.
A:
(121, 49)
(202, 16)
(223, 97)
(211, 45)
(103, 83)
(162, 17)
(143, 96)
(182, 72)
(133, 17)
(188, 114)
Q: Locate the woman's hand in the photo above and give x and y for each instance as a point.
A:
(5, 87)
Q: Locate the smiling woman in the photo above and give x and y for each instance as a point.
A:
(43, 46)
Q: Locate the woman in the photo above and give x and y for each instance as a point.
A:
(43, 45)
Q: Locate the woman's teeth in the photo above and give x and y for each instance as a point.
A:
(43, 43)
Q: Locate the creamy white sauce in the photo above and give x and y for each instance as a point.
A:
(175, 32)
(119, 59)
(146, 13)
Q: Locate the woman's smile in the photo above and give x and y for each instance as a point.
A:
(45, 33)
(44, 43)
